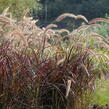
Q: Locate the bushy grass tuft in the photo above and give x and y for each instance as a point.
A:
(46, 69)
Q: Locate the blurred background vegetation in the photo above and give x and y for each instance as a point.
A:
(101, 93)
(18, 6)
(48, 10)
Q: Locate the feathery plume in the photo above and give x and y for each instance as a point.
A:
(4, 13)
(68, 87)
(62, 16)
(99, 20)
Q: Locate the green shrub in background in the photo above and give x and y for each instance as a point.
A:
(103, 30)
(101, 94)
(18, 6)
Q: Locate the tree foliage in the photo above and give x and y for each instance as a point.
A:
(17, 6)
(88, 8)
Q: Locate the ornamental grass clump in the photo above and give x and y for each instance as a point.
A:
(42, 69)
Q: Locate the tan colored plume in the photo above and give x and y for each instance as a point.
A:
(25, 13)
(62, 16)
(4, 13)
(99, 20)
(51, 26)
(68, 87)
